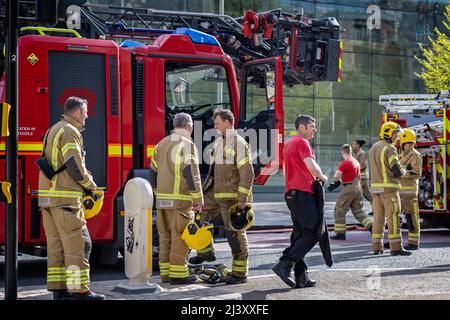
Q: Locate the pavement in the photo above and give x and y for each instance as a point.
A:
(164, 292)
(356, 274)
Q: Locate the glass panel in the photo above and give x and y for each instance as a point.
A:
(341, 121)
(395, 75)
(260, 89)
(354, 23)
(293, 106)
(356, 79)
(298, 91)
(328, 158)
(355, 3)
(399, 33)
(193, 87)
(409, 5)
(308, 8)
(375, 123)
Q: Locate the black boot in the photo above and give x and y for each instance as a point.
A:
(378, 252)
(236, 280)
(283, 270)
(386, 245)
(198, 260)
(401, 253)
(338, 236)
(191, 279)
(88, 295)
(304, 281)
(412, 247)
(61, 294)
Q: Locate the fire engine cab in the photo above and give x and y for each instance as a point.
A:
(428, 115)
(133, 92)
(136, 77)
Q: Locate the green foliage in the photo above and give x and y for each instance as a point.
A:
(436, 60)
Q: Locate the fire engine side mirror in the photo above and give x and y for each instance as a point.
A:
(181, 90)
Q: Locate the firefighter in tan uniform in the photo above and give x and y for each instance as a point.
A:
(411, 161)
(385, 172)
(175, 177)
(350, 196)
(68, 241)
(229, 182)
(360, 155)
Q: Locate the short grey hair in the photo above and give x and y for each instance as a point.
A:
(181, 120)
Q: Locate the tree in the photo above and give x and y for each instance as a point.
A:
(436, 60)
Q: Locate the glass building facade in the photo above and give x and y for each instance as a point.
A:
(375, 62)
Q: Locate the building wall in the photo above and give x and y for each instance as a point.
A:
(375, 62)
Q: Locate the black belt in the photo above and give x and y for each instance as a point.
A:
(347, 184)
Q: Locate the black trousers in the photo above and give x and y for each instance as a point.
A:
(306, 231)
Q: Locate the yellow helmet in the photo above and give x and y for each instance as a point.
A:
(92, 204)
(388, 128)
(197, 235)
(241, 219)
(407, 135)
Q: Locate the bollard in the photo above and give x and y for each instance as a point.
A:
(138, 201)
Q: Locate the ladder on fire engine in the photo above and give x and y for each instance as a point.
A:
(410, 102)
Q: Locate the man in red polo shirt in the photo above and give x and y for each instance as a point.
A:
(301, 170)
(351, 196)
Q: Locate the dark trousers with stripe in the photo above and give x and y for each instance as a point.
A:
(305, 234)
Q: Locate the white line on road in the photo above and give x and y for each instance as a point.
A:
(359, 269)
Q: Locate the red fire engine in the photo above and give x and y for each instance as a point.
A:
(134, 90)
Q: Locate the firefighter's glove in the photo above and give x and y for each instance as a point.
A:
(333, 186)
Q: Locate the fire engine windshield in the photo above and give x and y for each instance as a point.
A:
(196, 88)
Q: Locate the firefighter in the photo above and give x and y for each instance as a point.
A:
(385, 172)
(350, 196)
(411, 161)
(68, 241)
(360, 155)
(175, 177)
(229, 182)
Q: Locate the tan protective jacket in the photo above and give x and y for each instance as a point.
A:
(175, 163)
(362, 159)
(383, 156)
(65, 146)
(410, 182)
(231, 171)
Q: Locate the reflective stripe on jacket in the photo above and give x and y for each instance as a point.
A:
(175, 163)
(65, 146)
(410, 182)
(383, 156)
(231, 171)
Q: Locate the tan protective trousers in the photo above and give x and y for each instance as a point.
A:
(350, 198)
(236, 239)
(410, 207)
(386, 207)
(366, 190)
(173, 251)
(68, 248)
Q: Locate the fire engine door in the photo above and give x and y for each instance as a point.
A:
(261, 115)
(439, 177)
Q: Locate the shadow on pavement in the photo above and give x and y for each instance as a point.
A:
(406, 272)
(262, 294)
